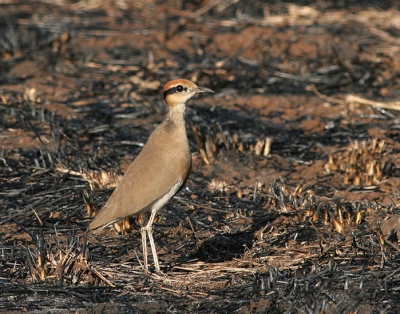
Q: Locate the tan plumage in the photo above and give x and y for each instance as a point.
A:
(147, 179)
(159, 171)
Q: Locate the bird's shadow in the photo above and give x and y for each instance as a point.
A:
(224, 247)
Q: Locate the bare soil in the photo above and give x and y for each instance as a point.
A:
(293, 204)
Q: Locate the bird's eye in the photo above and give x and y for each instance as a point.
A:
(179, 88)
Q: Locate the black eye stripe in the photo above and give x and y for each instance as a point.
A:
(169, 92)
(174, 90)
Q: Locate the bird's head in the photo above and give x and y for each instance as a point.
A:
(178, 92)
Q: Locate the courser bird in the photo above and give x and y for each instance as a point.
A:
(158, 172)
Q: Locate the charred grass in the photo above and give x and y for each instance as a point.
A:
(293, 203)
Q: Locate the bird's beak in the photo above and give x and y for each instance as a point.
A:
(203, 90)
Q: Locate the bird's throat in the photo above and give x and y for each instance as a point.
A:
(177, 113)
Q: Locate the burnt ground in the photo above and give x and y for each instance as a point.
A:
(293, 203)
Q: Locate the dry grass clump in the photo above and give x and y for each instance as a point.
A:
(97, 179)
(58, 258)
(211, 141)
(340, 217)
(362, 163)
(219, 186)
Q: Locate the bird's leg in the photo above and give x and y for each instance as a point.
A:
(149, 229)
(144, 246)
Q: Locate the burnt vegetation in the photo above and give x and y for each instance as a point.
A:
(293, 204)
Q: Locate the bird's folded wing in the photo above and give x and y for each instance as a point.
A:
(149, 178)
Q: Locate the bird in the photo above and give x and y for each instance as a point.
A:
(158, 172)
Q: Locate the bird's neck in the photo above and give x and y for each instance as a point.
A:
(177, 113)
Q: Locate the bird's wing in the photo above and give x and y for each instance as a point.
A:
(151, 175)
